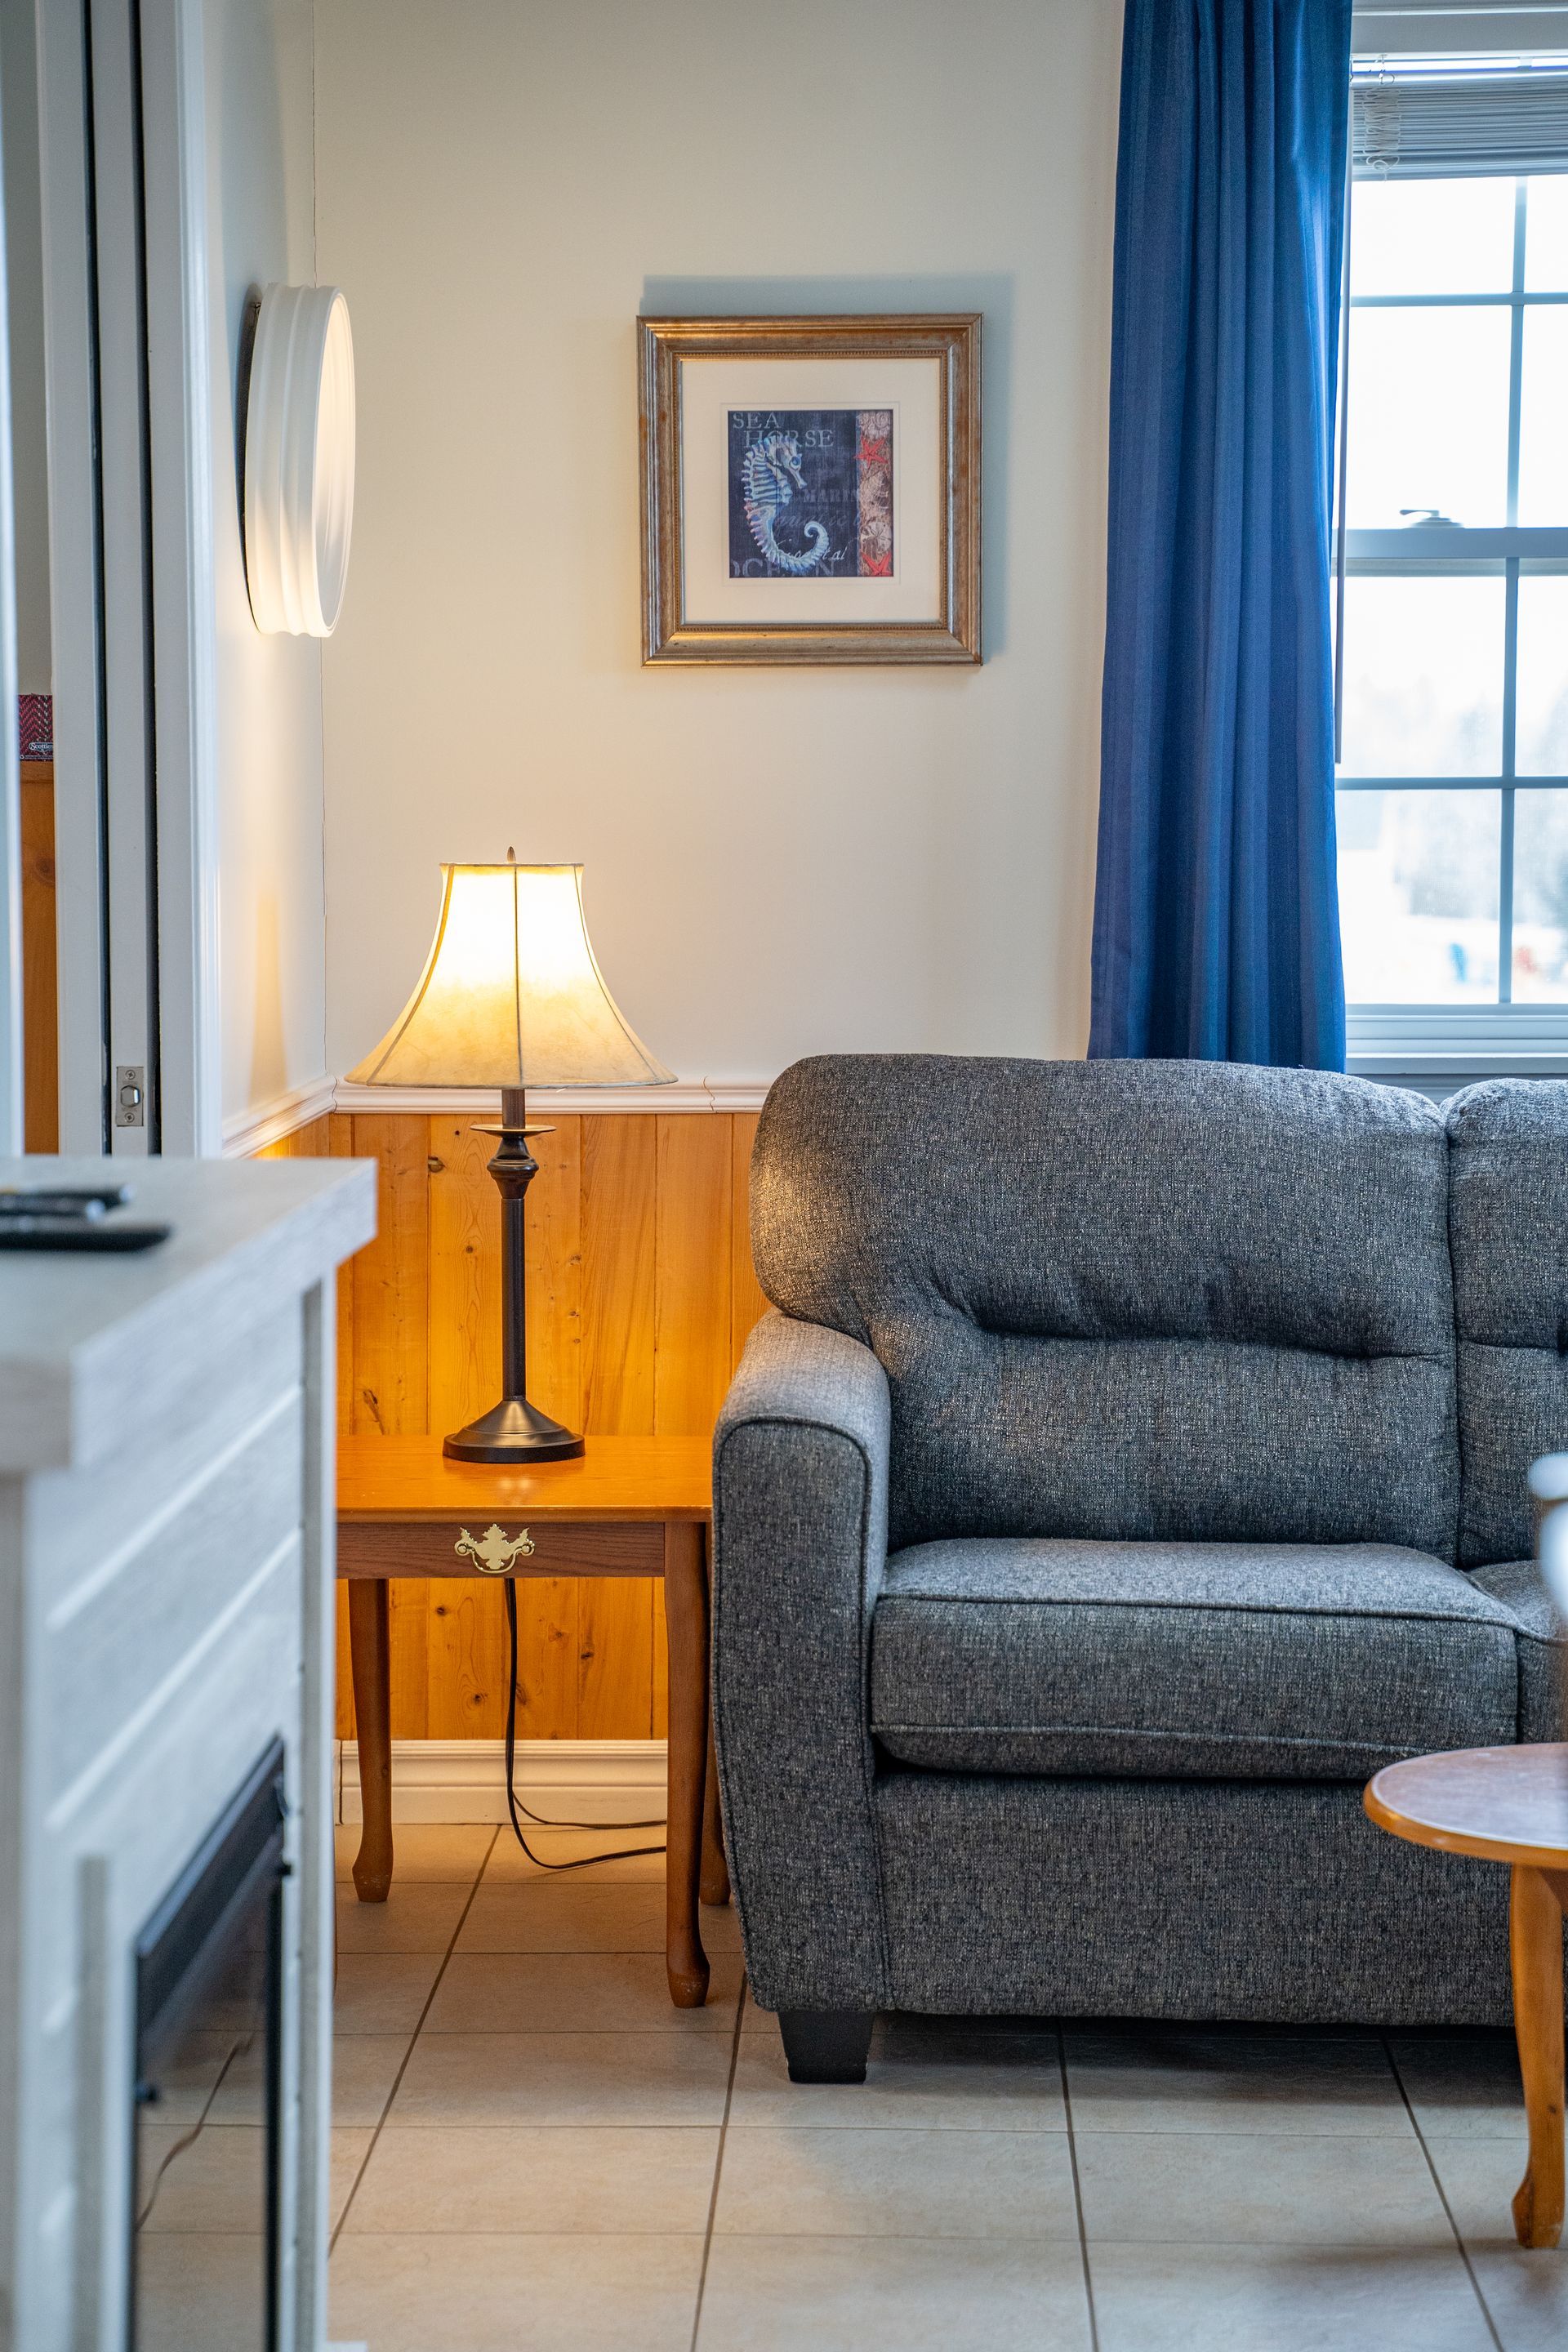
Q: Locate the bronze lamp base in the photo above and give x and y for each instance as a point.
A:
(513, 1429)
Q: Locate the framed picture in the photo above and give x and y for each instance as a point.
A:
(810, 489)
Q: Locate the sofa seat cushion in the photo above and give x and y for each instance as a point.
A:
(1199, 1661)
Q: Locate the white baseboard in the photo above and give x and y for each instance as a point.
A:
(611, 1780)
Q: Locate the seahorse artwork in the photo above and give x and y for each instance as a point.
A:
(772, 476)
(811, 494)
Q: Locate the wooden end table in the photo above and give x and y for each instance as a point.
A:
(1508, 1804)
(629, 1506)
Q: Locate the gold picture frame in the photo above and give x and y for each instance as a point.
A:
(871, 535)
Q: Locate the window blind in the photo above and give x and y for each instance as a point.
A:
(1433, 118)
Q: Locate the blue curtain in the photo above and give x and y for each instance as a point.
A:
(1215, 915)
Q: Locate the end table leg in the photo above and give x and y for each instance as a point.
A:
(715, 1885)
(685, 1614)
(1535, 1937)
(370, 1657)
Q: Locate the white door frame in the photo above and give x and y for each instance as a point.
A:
(70, 372)
(184, 607)
(12, 1132)
(122, 135)
(74, 594)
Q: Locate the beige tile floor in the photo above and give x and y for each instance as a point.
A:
(535, 2153)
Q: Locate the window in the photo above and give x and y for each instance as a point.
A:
(1452, 606)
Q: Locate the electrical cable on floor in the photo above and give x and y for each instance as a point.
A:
(515, 1803)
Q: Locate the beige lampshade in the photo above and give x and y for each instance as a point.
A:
(510, 995)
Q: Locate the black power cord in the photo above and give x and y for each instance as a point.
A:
(514, 1802)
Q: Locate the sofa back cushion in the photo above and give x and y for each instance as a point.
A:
(1508, 1179)
(1175, 1300)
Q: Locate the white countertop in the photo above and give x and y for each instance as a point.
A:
(86, 1336)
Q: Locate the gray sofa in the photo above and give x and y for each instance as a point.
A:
(1137, 1463)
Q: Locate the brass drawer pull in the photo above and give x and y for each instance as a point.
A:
(494, 1551)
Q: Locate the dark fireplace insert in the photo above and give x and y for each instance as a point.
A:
(204, 2222)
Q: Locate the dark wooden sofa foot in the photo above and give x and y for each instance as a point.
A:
(827, 2045)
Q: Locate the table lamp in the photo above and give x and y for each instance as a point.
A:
(511, 997)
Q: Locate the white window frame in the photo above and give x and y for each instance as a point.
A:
(1465, 1040)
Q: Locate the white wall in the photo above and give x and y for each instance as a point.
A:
(777, 862)
(261, 227)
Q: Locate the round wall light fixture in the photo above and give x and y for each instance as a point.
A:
(299, 460)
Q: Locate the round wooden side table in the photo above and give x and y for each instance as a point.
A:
(1508, 1804)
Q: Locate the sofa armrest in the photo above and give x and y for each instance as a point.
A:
(803, 1376)
(1542, 1641)
(800, 1538)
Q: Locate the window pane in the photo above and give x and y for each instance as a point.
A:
(1546, 235)
(1543, 412)
(1540, 722)
(1418, 897)
(1432, 236)
(1428, 416)
(1423, 677)
(1540, 897)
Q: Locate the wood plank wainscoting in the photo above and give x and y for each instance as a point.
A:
(640, 1296)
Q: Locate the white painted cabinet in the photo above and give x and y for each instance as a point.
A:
(166, 1611)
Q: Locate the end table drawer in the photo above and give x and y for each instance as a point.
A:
(482, 1547)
